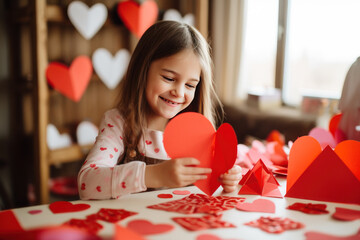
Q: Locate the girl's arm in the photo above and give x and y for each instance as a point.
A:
(100, 177)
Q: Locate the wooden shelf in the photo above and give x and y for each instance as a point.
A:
(69, 154)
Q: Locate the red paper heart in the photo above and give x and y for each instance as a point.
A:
(71, 81)
(259, 205)
(64, 207)
(325, 236)
(145, 227)
(33, 212)
(179, 192)
(192, 135)
(164, 195)
(346, 214)
(138, 18)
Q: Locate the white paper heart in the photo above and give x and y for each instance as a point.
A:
(86, 133)
(87, 20)
(55, 140)
(174, 15)
(110, 69)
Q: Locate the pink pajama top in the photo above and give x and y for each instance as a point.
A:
(100, 177)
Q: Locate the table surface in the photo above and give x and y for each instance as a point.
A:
(138, 203)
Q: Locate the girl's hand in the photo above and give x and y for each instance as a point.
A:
(230, 180)
(173, 173)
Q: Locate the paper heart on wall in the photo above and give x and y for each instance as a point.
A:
(87, 20)
(71, 81)
(86, 133)
(138, 17)
(192, 135)
(110, 69)
(312, 169)
(55, 140)
(174, 15)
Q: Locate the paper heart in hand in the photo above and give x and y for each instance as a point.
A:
(55, 140)
(258, 205)
(260, 181)
(110, 69)
(312, 170)
(71, 81)
(174, 15)
(138, 17)
(65, 207)
(86, 133)
(145, 227)
(87, 20)
(192, 135)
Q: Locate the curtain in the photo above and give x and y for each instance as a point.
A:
(227, 21)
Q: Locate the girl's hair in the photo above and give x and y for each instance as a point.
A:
(163, 39)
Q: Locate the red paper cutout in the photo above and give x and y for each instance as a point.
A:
(276, 136)
(311, 171)
(122, 233)
(258, 205)
(138, 18)
(145, 227)
(345, 214)
(33, 212)
(179, 192)
(201, 223)
(260, 181)
(211, 237)
(192, 135)
(309, 208)
(275, 225)
(199, 203)
(110, 215)
(334, 123)
(163, 195)
(9, 223)
(65, 207)
(88, 225)
(324, 236)
(71, 81)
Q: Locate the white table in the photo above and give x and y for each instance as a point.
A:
(139, 202)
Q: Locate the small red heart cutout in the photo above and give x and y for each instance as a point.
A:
(192, 135)
(138, 17)
(71, 81)
(145, 227)
(259, 205)
(64, 207)
(179, 192)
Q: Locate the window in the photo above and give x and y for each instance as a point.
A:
(322, 41)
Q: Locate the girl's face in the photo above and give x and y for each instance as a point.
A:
(171, 83)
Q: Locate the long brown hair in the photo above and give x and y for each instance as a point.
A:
(163, 39)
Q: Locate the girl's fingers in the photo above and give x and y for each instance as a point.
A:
(230, 182)
(196, 170)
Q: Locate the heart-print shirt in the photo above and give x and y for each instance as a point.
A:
(101, 177)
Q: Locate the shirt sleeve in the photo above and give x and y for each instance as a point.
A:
(100, 177)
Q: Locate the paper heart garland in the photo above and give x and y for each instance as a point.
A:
(138, 17)
(110, 69)
(174, 15)
(312, 169)
(55, 140)
(71, 81)
(65, 207)
(87, 20)
(258, 205)
(192, 135)
(86, 133)
(145, 227)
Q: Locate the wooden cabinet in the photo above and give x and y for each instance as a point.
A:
(51, 37)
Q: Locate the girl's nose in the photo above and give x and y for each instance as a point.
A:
(178, 91)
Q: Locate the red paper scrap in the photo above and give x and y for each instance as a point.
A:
(275, 224)
(9, 223)
(122, 233)
(199, 203)
(65, 207)
(192, 135)
(312, 169)
(325, 236)
(164, 195)
(201, 223)
(145, 227)
(179, 192)
(346, 214)
(90, 226)
(260, 181)
(309, 208)
(207, 236)
(110, 215)
(258, 205)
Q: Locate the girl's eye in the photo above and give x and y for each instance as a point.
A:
(167, 78)
(190, 86)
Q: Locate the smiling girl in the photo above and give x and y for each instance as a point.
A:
(169, 72)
